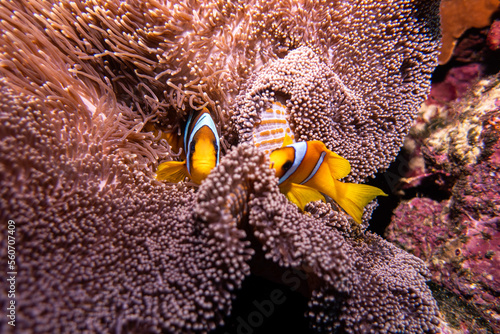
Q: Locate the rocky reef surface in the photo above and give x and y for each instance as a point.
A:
(450, 215)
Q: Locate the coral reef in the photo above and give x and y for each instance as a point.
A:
(475, 56)
(459, 15)
(104, 247)
(493, 39)
(458, 237)
(455, 85)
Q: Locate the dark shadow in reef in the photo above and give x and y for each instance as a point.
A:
(272, 299)
(262, 307)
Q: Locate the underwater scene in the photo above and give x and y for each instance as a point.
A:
(247, 167)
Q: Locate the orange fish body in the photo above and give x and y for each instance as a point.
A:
(201, 147)
(172, 138)
(306, 170)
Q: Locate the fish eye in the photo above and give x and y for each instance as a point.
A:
(192, 146)
(287, 165)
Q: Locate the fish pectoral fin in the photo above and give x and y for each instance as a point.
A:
(301, 195)
(287, 140)
(172, 171)
(339, 167)
(353, 197)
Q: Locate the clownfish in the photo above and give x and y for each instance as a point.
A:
(270, 132)
(201, 146)
(307, 169)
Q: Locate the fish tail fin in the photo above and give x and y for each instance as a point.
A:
(353, 197)
(301, 195)
(172, 171)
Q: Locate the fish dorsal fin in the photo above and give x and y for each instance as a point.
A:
(301, 195)
(287, 141)
(339, 167)
(172, 171)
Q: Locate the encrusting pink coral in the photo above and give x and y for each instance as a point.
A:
(104, 247)
(457, 234)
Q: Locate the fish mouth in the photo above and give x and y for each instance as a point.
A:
(271, 165)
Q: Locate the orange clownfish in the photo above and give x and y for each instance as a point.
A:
(201, 147)
(307, 169)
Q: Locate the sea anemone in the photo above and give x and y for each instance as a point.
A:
(102, 246)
